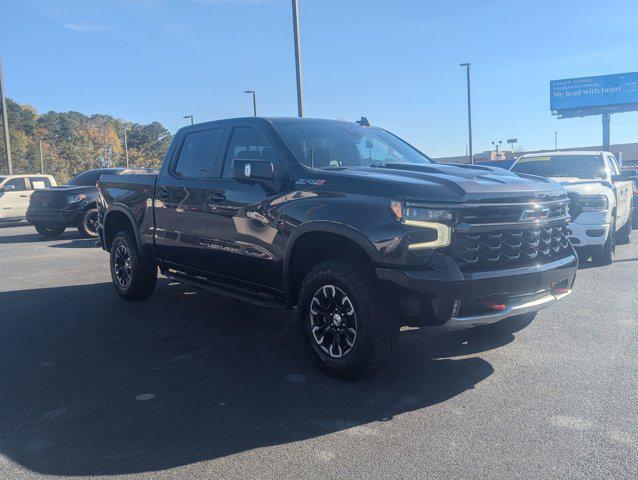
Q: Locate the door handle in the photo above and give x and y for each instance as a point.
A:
(163, 193)
(23, 195)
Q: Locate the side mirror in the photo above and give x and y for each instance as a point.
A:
(8, 188)
(258, 169)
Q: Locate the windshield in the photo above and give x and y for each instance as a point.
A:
(579, 166)
(327, 143)
(89, 178)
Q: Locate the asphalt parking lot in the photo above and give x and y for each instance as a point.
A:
(192, 385)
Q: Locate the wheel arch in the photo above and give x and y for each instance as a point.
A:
(313, 242)
(117, 218)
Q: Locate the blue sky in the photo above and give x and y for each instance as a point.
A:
(394, 61)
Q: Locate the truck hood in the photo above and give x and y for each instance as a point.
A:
(442, 183)
(64, 191)
(584, 187)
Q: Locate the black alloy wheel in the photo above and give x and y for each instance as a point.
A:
(333, 321)
(122, 266)
(89, 224)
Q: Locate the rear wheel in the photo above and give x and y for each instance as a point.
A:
(133, 276)
(88, 224)
(606, 256)
(350, 326)
(49, 231)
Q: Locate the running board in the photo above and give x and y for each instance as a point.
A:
(245, 295)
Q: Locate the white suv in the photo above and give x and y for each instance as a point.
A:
(601, 198)
(15, 192)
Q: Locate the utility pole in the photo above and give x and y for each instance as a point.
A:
(41, 158)
(469, 110)
(295, 28)
(606, 136)
(126, 146)
(555, 139)
(5, 122)
(254, 101)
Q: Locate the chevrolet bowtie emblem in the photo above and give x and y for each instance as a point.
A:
(537, 214)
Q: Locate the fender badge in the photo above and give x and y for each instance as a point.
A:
(310, 181)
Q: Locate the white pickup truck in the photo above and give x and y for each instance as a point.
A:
(601, 198)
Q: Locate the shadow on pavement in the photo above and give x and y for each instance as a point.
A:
(92, 385)
(36, 237)
(78, 243)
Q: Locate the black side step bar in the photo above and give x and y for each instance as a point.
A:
(245, 295)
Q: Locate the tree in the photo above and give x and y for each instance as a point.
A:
(73, 142)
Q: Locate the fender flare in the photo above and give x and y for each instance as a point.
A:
(129, 215)
(326, 226)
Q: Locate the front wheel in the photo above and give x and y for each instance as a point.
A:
(624, 234)
(49, 231)
(133, 276)
(350, 326)
(88, 224)
(606, 256)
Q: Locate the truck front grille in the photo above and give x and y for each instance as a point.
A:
(510, 236)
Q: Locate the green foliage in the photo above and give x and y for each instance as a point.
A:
(73, 142)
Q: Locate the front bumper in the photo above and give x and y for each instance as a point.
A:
(588, 235)
(62, 218)
(456, 300)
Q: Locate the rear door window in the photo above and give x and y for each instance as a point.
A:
(198, 154)
(38, 183)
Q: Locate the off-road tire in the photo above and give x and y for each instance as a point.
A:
(88, 225)
(142, 273)
(49, 231)
(376, 318)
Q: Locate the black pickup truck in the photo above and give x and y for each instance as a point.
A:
(346, 223)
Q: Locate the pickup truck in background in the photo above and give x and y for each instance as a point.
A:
(15, 192)
(601, 198)
(344, 222)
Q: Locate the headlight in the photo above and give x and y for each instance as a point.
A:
(593, 203)
(75, 198)
(438, 220)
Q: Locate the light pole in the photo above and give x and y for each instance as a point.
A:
(295, 28)
(254, 101)
(5, 121)
(41, 158)
(126, 145)
(497, 144)
(189, 116)
(555, 140)
(469, 109)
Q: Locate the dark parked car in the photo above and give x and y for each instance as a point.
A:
(349, 224)
(52, 210)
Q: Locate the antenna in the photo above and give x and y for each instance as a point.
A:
(363, 122)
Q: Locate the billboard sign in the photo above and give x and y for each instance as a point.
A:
(594, 92)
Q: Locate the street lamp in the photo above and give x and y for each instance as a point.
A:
(469, 110)
(254, 101)
(189, 116)
(295, 29)
(497, 144)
